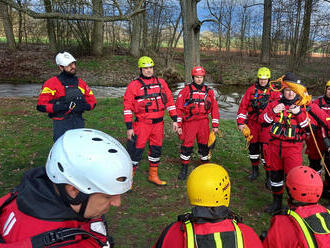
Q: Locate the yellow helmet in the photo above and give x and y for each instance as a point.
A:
(145, 61)
(208, 185)
(328, 84)
(263, 73)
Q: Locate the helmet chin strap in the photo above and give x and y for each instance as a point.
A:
(81, 198)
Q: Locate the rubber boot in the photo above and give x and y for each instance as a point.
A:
(183, 173)
(276, 205)
(255, 173)
(153, 177)
(267, 181)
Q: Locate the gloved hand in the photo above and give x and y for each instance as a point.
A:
(58, 107)
(247, 133)
(295, 109)
(80, 107)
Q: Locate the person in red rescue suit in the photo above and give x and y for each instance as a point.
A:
(194, 104)
(252, 105)
(63, 203)
(305, 223)
(211, 223)
(322, 136)
(286, 144)
(65, 97)
(147, 97)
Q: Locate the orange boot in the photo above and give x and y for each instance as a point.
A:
(153, 177)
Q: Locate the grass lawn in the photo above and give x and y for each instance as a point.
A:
(26, 137)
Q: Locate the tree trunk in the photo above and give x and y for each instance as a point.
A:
(50, 27)
(98, 29)
(266, 32)
(136, 35)
(7, 26)
(191, 32)
(304, 38)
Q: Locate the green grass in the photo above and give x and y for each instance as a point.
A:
(26, 137)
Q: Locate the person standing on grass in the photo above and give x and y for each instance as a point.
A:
(322, 135)
(194, 104)
(210, 223)
(288, 122)
(63, 203)
(254, 101)
(65, 97)
(305, 223)
(147, 97)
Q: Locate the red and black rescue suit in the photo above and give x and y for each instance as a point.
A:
(65, 97)
(210, 225)
(35, 216)
(147, 98)
(286, 143)
(286, 232)
(194, 104)
(252, 105)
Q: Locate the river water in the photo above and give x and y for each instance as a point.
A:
(228, 98)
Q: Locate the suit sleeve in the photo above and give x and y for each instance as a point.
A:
(129, 105)
(170, 102)
(89, 95)
(48, 93)
(242, 113)
(251, 239)
(268, 115)
(215, 110)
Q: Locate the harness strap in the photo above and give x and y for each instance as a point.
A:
(239, 243)
(60, 235)
(308, 236)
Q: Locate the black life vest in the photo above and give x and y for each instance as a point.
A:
(151, 102)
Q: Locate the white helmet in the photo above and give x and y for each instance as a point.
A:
(91, 161)
(64, 59)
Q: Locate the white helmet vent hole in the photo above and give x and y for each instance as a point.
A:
(112, 150)
(60, 167)
(89, 188)
(121, 179)
(97, 139)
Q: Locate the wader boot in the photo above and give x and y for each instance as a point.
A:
(267, 181)
(255, 173)
(153, 177)
(183, 173)
(276, 205)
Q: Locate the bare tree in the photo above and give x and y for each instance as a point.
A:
(191, 32)
(266, 32)
(7, 25)
(50, 27)
(98, 28)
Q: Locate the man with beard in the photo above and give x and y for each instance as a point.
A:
(285, 149)
(65, 97)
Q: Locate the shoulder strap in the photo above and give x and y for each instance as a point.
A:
(310, 239)
(60, 235)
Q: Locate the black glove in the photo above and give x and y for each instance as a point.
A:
(58, 107)
(80, 107)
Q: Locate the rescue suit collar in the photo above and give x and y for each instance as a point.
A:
(200, 214)
(327, 99)
(144, 77)
(289, 102)
(258, 86)
(198, 86)
(36, 196)
(67, 78)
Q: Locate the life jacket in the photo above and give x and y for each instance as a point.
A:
(212, 234)
(153, 100)
(196, 104)
(259, 101)
(59, 237)
(315, 228)
(324, 105)
(72, 94)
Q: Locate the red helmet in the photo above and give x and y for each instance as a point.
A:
(198, 71)
(304, 184)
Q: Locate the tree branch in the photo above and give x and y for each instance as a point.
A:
(62, 16)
